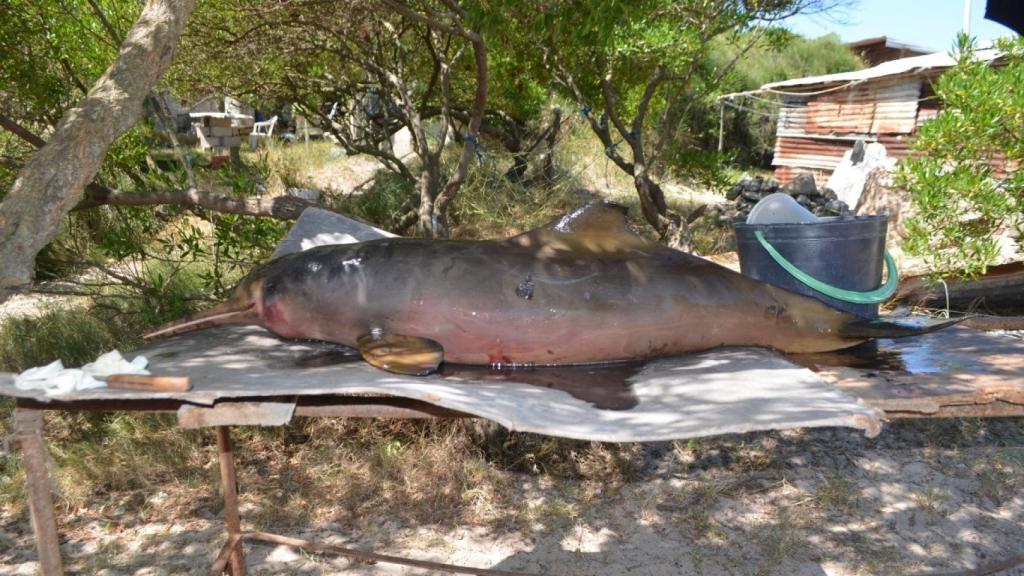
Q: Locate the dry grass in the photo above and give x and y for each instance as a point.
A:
(837, 493)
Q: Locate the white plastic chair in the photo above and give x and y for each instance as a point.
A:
(260, 131)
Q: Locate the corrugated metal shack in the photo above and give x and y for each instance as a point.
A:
(821, 117)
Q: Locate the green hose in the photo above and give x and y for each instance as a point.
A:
(875, 296)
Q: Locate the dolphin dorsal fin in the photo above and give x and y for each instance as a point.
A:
(600, 226)
(602, 217)
(599, 218)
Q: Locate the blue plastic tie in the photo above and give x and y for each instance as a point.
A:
(475, 140)
(608, 151)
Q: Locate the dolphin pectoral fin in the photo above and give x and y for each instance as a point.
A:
(409, 355)
(865, 328)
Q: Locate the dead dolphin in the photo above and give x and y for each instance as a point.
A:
(583, 289)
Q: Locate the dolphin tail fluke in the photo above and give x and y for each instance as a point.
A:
(865, 328)
(226, 313)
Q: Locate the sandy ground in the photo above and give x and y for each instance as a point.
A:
(925, 495)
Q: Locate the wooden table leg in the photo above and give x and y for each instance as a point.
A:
(28, 436)
(229, 489)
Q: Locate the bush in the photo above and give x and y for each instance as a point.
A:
(963, 174)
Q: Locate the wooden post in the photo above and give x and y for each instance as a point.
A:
(28, 436)
(721, 125)
(236, 155)
(230, 491)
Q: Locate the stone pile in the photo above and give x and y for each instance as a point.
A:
(747, 192)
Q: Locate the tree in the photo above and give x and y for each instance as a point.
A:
(636, 68)
(963, 170)
(54, 178)
(385, 65)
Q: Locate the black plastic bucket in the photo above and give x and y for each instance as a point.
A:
(841, 256)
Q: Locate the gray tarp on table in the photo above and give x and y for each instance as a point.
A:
(729, 390)
(723, 391)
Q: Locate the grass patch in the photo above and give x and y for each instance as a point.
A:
(73, 335)
(837, 493)
(379, 204)
(295, 165)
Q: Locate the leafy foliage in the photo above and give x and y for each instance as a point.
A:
(963, 175)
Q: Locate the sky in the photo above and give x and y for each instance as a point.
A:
(928, 23)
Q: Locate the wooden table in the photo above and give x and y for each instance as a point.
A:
(958, 372)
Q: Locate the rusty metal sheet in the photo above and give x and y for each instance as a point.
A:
(814, 131)
(820, 156)
(930, 374)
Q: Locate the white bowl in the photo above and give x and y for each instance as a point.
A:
(779, 208)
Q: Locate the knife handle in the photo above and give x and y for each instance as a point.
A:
(149, 383)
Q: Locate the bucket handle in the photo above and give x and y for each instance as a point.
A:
(875, 296)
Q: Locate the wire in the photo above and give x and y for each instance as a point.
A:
(825, 91)
(751, 110)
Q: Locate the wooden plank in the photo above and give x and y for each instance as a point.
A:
(939, 373)
(28, 436)
(236, 414)
(1002, 286)
(149, 382)
(229, 488)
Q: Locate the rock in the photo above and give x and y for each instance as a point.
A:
(753, 195)
(857, 154)
(803, 200)
(734, 192)
(802, 184)
(881, 196)
(309, 194)
(837, 207)
(829, 193)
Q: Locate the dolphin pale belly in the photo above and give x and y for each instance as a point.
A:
(584, 289)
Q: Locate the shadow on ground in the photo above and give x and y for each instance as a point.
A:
(925, 495)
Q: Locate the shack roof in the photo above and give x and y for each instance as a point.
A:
(888, 42)
(912, 65)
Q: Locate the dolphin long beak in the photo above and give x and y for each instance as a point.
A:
(221, 314)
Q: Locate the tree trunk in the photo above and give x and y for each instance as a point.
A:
(672, 228)
(472, 142)
(53, 180)
(429, 184)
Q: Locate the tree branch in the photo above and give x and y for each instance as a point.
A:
(610, 100)
(278, 207)
(408, 12)
(98, 11)
(20, 131)
(645, 100)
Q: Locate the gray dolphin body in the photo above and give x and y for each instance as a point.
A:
(583, 290)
